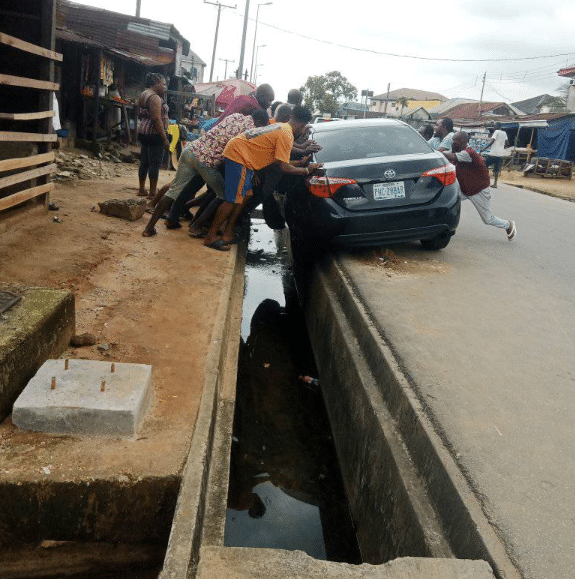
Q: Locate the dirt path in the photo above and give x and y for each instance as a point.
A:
(151, 300)
(562, 188)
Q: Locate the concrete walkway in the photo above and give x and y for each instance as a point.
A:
(484, 331)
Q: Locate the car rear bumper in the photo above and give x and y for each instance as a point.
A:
(326, 221)
(395, 236)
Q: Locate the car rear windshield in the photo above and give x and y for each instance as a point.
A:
(368, 142)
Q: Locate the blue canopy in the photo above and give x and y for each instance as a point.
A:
(557, 141)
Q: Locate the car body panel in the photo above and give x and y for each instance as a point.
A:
(353, 216)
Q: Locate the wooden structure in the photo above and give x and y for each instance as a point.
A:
(27, 42)
(555, 168)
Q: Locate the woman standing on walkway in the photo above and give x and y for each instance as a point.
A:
(152, 127)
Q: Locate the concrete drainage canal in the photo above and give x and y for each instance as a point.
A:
(285, 489)
(268, 496)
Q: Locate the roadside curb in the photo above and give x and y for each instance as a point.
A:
(388, 400)
(221, 367)
(542, 191)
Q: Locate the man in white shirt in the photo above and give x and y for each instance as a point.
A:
(498, 142)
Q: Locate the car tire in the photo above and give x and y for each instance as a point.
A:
(272, 213)
(438, 242)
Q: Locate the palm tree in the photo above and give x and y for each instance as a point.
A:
(403, 102)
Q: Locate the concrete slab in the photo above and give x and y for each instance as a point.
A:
(86, 397)
(240, 563)
(35, 329)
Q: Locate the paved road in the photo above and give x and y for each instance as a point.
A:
(486, 328)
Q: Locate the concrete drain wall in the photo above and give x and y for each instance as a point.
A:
(100, 510)
(406, 492)
(35, 329)
(388, 498)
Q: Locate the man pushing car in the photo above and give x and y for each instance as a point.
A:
(249, 152)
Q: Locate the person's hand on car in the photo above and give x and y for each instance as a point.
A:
(314, 167)
(312, 147)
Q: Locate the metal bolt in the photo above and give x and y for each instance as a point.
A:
(66, 364)
(113, 368)
(53, 385)
(103, 386)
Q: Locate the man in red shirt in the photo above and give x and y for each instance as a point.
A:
(473, 177)
(247, 104)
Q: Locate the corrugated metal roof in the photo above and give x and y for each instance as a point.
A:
(412, 94)
(150, 28)
(477, 110)
(71, 36)
(141, 58)
(116, 30)
(528, 121)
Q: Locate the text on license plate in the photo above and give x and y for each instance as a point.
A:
(394, 190)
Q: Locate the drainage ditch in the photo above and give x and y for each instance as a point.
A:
(285, 489)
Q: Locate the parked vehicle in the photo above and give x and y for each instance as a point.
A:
(326, 119)
(382, 183)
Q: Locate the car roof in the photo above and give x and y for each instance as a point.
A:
(342, 125)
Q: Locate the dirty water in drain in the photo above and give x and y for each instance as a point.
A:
(285, 486)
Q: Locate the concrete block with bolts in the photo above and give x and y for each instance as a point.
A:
(85, 397)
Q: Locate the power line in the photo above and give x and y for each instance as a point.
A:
(412, 56)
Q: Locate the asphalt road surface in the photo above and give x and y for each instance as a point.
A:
(486, 328)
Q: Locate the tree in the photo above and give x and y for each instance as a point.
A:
(403, 102)
(327, 92)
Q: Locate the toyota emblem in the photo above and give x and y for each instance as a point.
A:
(389, 174)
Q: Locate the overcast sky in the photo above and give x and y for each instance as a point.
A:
(305, 38)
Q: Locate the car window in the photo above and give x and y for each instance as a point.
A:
(368, 142)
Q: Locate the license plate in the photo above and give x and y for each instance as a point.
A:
(394, 190)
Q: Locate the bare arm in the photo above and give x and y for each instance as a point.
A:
(291, 170)
(489, 143)
(155, 106)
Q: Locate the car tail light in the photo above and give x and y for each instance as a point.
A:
(445, 174)
(324, 187)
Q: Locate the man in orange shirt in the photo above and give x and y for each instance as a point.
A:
(249, 152)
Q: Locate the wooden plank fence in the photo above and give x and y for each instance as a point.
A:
(30, 174)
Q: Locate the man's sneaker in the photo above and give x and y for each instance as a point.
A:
(512, 231)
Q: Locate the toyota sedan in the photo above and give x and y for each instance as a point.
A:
(381, 183)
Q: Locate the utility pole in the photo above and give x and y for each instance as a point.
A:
(367, 94)
(386, 100)
(219, 5)
(255, 36)
(226, 60)
(138, 6)
(481, 97)
(243, 48)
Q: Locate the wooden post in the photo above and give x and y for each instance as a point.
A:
(46, 98)
(99, 56)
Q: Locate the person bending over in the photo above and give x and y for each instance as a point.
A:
(202, 158)
(249, 152)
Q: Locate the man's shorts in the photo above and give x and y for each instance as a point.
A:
(238, 182)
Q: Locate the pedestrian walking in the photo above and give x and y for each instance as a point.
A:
(498, 143)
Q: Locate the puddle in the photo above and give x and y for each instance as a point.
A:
(285, 487)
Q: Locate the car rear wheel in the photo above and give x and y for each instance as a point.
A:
(438, 242)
